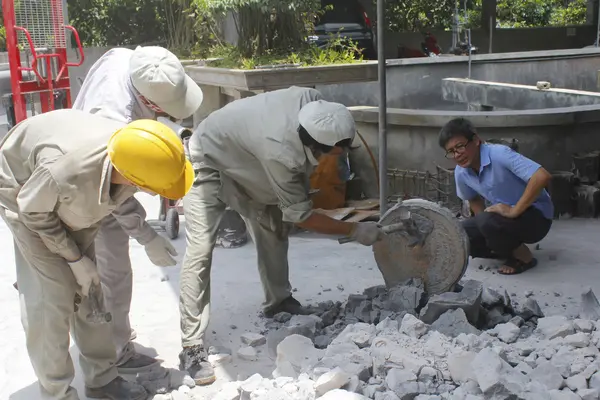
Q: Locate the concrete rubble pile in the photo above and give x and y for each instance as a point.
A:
(472, 344)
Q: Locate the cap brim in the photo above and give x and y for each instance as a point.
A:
(187, 106)
(180, 189)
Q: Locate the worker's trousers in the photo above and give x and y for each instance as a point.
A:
(47, 290)
(203, 210)
(114, 267)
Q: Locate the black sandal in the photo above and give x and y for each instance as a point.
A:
(518, 266)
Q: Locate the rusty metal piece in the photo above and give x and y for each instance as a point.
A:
(442, 258)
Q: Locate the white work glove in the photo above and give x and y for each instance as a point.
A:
(367, 233)
(86, 274)
(160, 251)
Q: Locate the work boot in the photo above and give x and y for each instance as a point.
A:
(289, 305)
(193, 360)
(137, 363)
(118, 389)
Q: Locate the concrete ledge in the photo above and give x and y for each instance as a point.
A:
(491, 119)
(522, 56)
(278, 78)
(513, 96)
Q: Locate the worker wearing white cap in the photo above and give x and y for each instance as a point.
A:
(61, 173)
(126, 85)
(256, 155)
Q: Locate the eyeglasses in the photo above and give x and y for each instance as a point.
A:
(458, 149)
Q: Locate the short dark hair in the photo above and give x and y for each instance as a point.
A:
(309, 141)
(456, 127)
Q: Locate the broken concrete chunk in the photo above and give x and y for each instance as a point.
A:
(496, 377)
(589, 394)
(219, 350)
(491, 298)
(229, 391)
(454, 322)
(459, 365)
(469, 300)
(577, 382)
(387, 325)
(282, 317)
(589, 308)
(583, 325)
(334, 379)
(247, 353)
(387, 395)
(397, 377)
(553, 327)
(253, 339)
(548, 375)
(296, 354)
(180, 378)
(361, 334)
(374, 291)
(531, 309)
(339, 394)
(404, 298)
(594, 382)
(579, 340)
(412, 326)
(508, 332)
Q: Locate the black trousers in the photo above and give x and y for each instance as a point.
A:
(494, 236)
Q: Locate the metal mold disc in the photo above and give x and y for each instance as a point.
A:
(440, 262)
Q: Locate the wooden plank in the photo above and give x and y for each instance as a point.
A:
(338, 213)
(365, 204)
(361, 215)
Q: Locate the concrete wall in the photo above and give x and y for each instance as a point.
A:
(417, 83)
(547, 136)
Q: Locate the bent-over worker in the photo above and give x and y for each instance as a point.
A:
(506, 192)
(126, 85)
(61, 174)
(256, 155)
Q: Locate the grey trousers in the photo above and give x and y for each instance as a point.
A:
(47, 290)
(203, 211)
(114, 267)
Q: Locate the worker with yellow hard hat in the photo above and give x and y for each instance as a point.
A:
(61, 174)
(127, 85)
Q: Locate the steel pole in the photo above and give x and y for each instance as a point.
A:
(598, 25)
(383, 184)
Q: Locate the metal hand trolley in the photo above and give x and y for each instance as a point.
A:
(36, 30)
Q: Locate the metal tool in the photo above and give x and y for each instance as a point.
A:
(98, 315)
(386, 229)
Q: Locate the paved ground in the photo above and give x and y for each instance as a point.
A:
(568, 262)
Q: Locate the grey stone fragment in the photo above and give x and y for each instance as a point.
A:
(496, 377)
(387, 395)
(594, 382)
(577, 382)
(409, 390)
(322, 341)
(564, 394)
(296, 354)
(374, 291)
(548, 375)
(583, 325)
(553, 327)
(253, 339)
(282, 317)
(276, 337)
(508, 332)
(491, 298)
(589, 394)
(247, 353)
(590, 307)
(459, 365)
(213, 350)
(404, 298)
(496, 316)
(517, 321)
(397, 377)
(412, 326)
(340, 394)
(531, 309)
(454, 322)
(579, 340)
(334, 379)
(469, 300)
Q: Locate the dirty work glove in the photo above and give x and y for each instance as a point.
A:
(367, 233)
(86, 274)
(160, 251)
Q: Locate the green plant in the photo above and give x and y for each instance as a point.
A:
(574, 13)
(2, 38)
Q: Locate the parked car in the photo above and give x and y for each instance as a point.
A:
(346, 19)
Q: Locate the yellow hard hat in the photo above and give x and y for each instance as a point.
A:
(151, 156)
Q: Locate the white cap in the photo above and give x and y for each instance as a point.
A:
(159, 76)
(328, 123)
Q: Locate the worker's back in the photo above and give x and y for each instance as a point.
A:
(46, 137)
(107, 90)
(242, 137)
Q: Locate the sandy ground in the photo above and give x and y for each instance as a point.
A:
(568, 262)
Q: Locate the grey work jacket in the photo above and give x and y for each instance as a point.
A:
(55, 175)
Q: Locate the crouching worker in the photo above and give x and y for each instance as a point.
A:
(61, 173)
(256, 155)
(506, 192)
